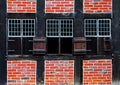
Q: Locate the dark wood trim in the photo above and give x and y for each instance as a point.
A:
(21, 15)
(97, 16)
(3, 62)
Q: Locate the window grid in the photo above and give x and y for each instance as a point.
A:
(21, 27)
(104, 26)
(59, 27)
(97, 27)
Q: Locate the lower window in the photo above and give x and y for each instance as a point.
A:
(59, 45)
(98, 45)
(20, 46)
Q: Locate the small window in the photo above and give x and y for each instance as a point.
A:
(59, 34)
(21, 28)
(97, 27)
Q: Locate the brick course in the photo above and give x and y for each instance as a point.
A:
(21, 72)
(21, 6)
(97, 6)
(97, 72)
(59, 72)
(59, 6)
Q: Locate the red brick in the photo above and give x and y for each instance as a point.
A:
(21, 6)
(61, 72)
(97, 72)
(100, 6)
(59, 6)
(17, 70)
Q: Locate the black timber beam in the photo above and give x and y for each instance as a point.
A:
(3, 65)
(116, 28)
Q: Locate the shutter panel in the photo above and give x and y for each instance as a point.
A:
(79, 45)
(39, 45)
(27, 44)
(14, 46)
(107, 46)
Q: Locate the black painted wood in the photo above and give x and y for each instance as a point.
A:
(40, 31)
(21, 15)
(116, 41)
(3, 65)
(116, 28)
(40, 27)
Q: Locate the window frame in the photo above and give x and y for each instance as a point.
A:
(59, 28)
(97, 28)
(21, 28)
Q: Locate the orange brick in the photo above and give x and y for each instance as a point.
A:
(21, 6)
(17, 70)
(60, 72)
(59, 6)
(101, 71)
(97, 6)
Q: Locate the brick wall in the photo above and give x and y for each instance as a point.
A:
(97, 6)
(97, 72)
(59, 6)
(21, 6)
(21, 72)
(59, 72)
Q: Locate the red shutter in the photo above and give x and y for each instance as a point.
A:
(79, 45)
(39, 45)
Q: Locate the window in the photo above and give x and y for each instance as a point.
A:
(59, 28)
(21, 28)
(97, 27)
(20, 36)
(59, 34)
(98, 33)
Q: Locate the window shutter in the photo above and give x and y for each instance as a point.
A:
(39, 45)
(27, 45)
(79, 45)
(14, 46)
(107, 46)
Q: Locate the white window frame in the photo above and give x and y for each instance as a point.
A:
(97, 28)
(59, 28)
(21, 28)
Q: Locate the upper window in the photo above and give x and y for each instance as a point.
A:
(97, 27)
(21, 28)
(59, 28)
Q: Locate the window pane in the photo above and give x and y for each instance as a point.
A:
(28, 27)
(59, 28)
(66, 27)
(14, 28)
(90, 27)
(97, 27)
(21, 27)
(52, 27)
(104, 27)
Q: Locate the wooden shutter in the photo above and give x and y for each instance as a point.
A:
(27, 45)
(14, 46)
(107, 46)
(79, 45)
(39, 45)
